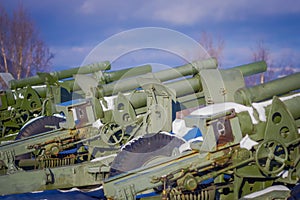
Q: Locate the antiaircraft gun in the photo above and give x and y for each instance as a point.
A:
(25, 99)
(77, 149)
(247, 147)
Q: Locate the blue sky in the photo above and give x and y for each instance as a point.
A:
(73, 28)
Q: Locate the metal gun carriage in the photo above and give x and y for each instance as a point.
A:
(248, 149)
(79, 149)
(34, 96)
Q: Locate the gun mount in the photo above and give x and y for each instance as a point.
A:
(38, 95)
(248, 151)
(77, 148)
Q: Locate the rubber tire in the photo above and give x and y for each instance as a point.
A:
(140, 151)
(38, 127)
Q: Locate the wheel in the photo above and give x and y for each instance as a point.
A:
(112, 134)
(143, 151)
(271, 157)
(38, 126)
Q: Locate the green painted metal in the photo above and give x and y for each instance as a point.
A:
(267, 90)
(58, 75)
(34, 96)
(164, 75)
(112, 76)
(78, 151)
(253, 68)
(223, 164)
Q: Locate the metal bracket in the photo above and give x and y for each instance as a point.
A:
(9, 159)
(159, 103)
(126, 192)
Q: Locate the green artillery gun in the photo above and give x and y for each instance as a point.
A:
(247, 148)
(37, 95)
(76, 150)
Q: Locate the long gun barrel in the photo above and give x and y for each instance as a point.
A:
(267, 90)
(188, 86)
(101, 123)
(29, 95)
(37, 80)
(196, 86)
(164, 75)
(111, 76)
(176, 72)
(252, 68)
(107, 77)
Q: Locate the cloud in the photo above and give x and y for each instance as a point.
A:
(287, 56)
(182, 14)
(141, 39)
(95, 7)
(105, 9)
(69, 56)
(87, 7)
(72, 29)
(191, 12)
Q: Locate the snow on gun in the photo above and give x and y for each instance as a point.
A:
(246, 149)
(77, 150)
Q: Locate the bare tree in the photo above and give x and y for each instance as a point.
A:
(214, 47)
(3, 39)
(23, 47)
(276, 68)
(260, 53)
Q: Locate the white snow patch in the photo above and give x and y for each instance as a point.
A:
(77, 189)
(70, 190)
(260, 107)
(267, 190)
(187, 145)
(110, 103)
(173, 135)
(74, 114)
(179, 128)
(59, 115)
(97, 124)
(21, 96)
(35, 192)
(95, 189)
(289, 97)
(38, 86)
(200, 138)
(283, 174)
(103, 158)
(222, 107)
(247, 142)
(30, 121)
